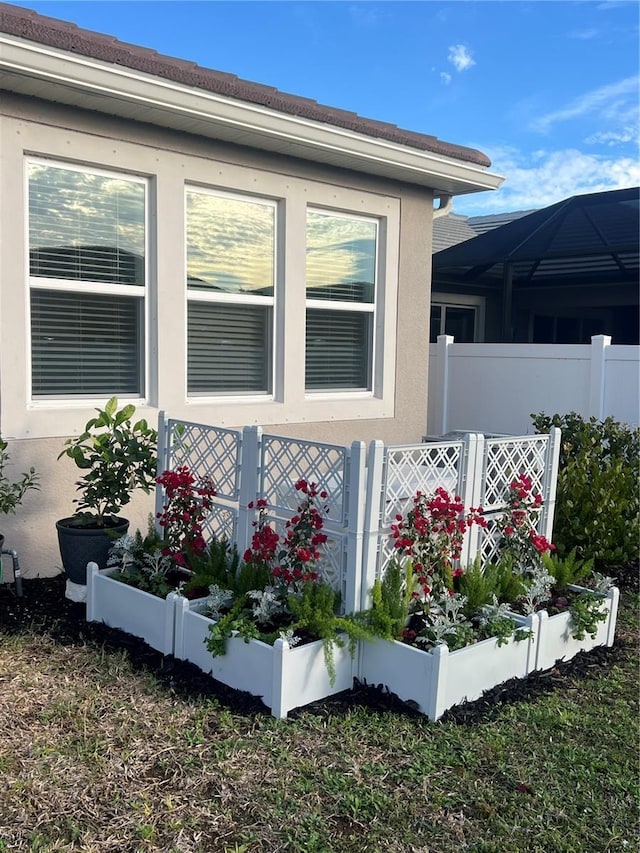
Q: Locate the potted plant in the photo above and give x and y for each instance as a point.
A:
(116, 457)
(12, 492)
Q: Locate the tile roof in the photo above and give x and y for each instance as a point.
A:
(27, 24)
(450, 230)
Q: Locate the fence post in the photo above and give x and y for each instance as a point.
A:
(599, 344)
(372, 519)
(471, 490)
(440, 397)
(355, 527)
(162, 464)
(250, 480)
(550, 483)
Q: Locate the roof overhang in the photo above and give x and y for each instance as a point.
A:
(36, 70)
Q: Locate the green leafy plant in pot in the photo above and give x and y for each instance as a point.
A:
(117, 457)
(12, 492)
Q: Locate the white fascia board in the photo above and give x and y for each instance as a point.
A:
(259, 126)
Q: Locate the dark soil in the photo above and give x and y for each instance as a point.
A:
(43, 606)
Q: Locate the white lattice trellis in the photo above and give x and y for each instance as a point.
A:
(336, 470)
(207, 451)
(502, 460)
(365, 492)
(285, 460)
(395, 474)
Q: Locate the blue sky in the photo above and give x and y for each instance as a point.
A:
(548, 89)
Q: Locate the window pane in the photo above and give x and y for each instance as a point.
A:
(230, 244)
(86, 227)
(341, 258)
(84, 345)
(229, 348)
(460, 322)
(338, 350)
(436, 322)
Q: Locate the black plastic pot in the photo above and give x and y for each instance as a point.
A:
(82, 545)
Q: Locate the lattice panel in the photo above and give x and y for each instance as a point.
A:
(221, 523)
(489, 540)
(504, 460)
(286, 460)
(207, 451)
(423, 468)
(387, 552)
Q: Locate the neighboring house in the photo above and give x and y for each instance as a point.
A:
(558, 275)
(201, 244)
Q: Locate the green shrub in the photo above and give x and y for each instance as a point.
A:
(598, 500)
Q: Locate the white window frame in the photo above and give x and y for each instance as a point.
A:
(461, 300)
(214, 297)
(355, 307)
(74, 286)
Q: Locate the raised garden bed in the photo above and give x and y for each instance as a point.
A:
(284, 677)
(433, 681)
(555, 632)
(122, 606)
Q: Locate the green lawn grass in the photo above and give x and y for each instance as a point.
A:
(96, 755)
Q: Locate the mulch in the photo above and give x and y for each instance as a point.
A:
(44, 607)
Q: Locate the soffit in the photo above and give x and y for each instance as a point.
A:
(31, 69)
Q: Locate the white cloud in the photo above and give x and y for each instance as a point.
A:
(607, 101)
(584, 34)
(545, 177)
(460, 57)
(610, 137)
(445, 77)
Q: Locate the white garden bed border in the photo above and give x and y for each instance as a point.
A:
(433, 681)
(283, 676)
(139, 613)
(555, 640)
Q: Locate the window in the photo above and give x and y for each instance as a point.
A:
(459, 316)
(341, 301)
(87, 277)
(231, 269)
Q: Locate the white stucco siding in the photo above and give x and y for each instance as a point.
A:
(395, 409)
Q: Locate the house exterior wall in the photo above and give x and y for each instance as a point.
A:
(395, 411)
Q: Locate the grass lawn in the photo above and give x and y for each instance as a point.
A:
(100, 755)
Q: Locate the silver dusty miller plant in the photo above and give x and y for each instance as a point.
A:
(218, 600)
(266, 605)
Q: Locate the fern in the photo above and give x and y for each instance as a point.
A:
(217, 566)
(389, 612)
(314, 612)
(251, 576)
(567, 570)
(477, 586)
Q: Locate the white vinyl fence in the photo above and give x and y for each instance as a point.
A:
(494, 388)
(366, 489)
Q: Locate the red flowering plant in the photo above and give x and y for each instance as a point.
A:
(521, 548)
(278, 591)
(159, 564)
(548, 580)
(431, 537)
(517, 525)
(187, 504)
(277, 567)
(425, 596)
